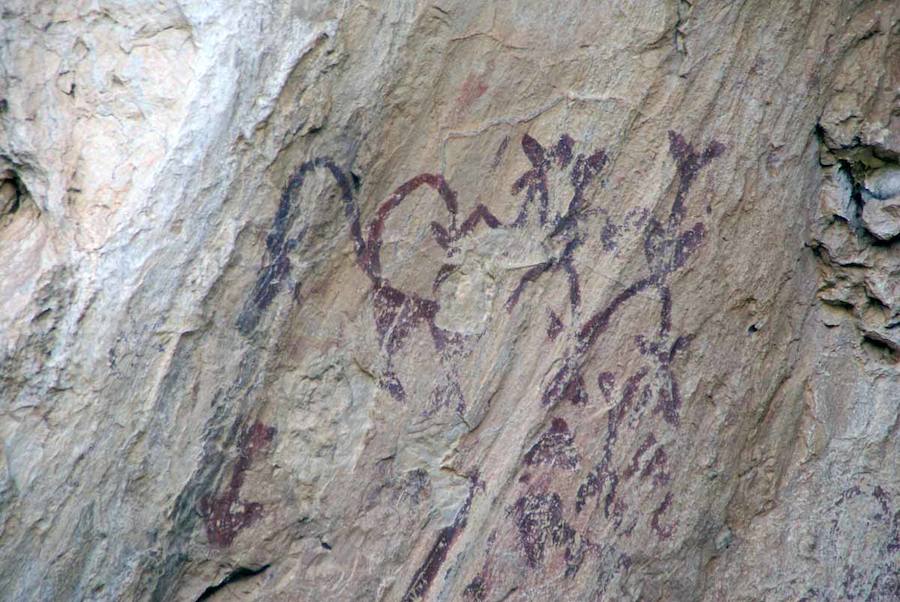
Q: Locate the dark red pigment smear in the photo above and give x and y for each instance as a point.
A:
(539, 521)
(501, 150)
(554, 327)
(605, 382)
(664, 532)
(555, 448)
(442, 275)
(657, 465)
(879, 494)
(531, 275)
(848, 494)
(649, 442)
(669, 399)
(894, 543)
(476, 590)
(426, 573)
(603, 472)
(689, 166)
(446, 396)
(272, 276)
(223, 522)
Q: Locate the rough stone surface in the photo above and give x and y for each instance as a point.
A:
(882, 218)
(449, 300)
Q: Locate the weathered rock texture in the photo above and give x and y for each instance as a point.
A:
(450, 300)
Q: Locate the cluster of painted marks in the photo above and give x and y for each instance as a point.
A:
(226, 514)
(879, 580)
(629, 480)
(427, 572)
(666, 248)
(551, 540)
(398, 313)
(564, 226)
(483, 583)
(539, 514)
(540, 523)
(555, 448)
(607, 477)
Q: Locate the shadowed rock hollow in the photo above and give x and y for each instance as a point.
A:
(450, 300)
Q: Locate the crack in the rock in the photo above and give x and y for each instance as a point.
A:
(239, 574)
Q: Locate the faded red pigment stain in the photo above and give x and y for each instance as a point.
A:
(472, 89)
(225, 515)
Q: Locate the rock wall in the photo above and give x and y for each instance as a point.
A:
(450, 300)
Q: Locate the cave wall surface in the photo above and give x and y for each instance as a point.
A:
(450, 300)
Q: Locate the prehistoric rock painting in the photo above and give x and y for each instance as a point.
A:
(628, 482)
(398, 313)
(882, 527)
(548, 516)
(426, 573)
(666, 248)
(226, 514)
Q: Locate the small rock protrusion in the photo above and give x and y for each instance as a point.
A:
(883, 183)
(881, 193)
(724, 539)
(882, 218)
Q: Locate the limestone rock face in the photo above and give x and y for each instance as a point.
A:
(450, 300)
